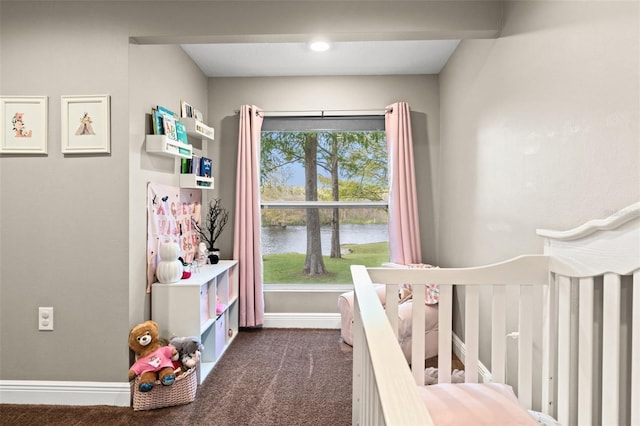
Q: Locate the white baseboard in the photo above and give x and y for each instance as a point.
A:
(65, 393)
(459, 349)
(119, 394)
(302, 320)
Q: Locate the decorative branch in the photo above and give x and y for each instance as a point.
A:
(213, 225)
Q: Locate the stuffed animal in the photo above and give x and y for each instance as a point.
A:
(189, 349)
(153, 361)
(220, 307)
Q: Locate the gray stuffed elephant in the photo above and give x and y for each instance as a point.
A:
(189, 349)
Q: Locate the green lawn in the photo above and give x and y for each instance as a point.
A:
(287, 268)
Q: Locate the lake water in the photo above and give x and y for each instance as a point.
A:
(293, 239)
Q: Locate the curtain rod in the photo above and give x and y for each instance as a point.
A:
(322, 112)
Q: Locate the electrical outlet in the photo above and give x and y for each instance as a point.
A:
(45, 318)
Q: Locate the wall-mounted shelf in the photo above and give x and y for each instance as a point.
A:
(197, 129)
(161, 144)
(190, 180)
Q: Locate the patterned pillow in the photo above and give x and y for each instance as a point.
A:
(432, 291)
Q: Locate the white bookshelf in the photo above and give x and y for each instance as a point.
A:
(188, 308)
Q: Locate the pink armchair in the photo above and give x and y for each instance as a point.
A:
(345, 306)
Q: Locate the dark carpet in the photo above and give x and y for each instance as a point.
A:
(266, 377)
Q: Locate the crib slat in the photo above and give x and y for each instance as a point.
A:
(549, 343)
(417, 333)
(359, 364)
(525, 348)
(611, 349)
(585, 352)
(635, 349)
(444, 333)
(564, 349)
(391, 306)
(471, 330)
(498, 334)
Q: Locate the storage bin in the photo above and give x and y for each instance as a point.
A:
(221, 333)
(182, 391)
(204, 303)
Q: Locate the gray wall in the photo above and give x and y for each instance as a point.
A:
(539, 129)
(175, 78)
(72, 227)
(328, 93)
(64, 234)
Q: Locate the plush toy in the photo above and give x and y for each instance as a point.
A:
(189, 349)
(153, 361)
(220, 307)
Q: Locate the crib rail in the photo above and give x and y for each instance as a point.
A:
(595, 284)
(524, 271)
(583, 380)
(382, 395)
(376, 348)
(589, 283)
(595, 370)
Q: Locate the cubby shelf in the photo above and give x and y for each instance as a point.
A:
(161, 144)
(191, 180)
(197, 129)
(188, 308)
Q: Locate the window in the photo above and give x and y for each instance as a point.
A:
(324, 191)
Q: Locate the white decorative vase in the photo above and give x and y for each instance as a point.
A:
(169, 268)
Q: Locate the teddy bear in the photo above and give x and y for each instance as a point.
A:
(189, 349)
(153, 361)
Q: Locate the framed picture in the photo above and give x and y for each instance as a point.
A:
(86, 125)
(186, 110)
(23, 120)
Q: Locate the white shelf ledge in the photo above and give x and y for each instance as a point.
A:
(191, 180)
(197, 129)
(161, 144)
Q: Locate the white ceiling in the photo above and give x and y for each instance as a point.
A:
(343, 58)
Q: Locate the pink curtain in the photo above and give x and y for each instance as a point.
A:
(246, 240)
(404, 227)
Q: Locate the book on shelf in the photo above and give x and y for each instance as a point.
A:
(164, 121)
(185, 164)
(195, 165)
(169, 125)
(205, 167)
(181, 132)
(167, 111)
(158, 125)
(186, 110)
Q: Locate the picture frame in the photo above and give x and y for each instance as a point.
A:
(23, 124)
(186, 110)
(86, 127)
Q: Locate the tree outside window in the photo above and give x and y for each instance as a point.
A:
(321, 186)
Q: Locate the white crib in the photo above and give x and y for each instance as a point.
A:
(588, 338)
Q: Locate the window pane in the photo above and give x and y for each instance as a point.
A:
(363, 240)
(323, 166)
(311, 244)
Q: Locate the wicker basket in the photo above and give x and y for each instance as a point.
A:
(182, 391)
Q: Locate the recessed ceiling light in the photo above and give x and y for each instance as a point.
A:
(319, 46)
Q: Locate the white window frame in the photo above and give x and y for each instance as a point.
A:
(301, 124)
